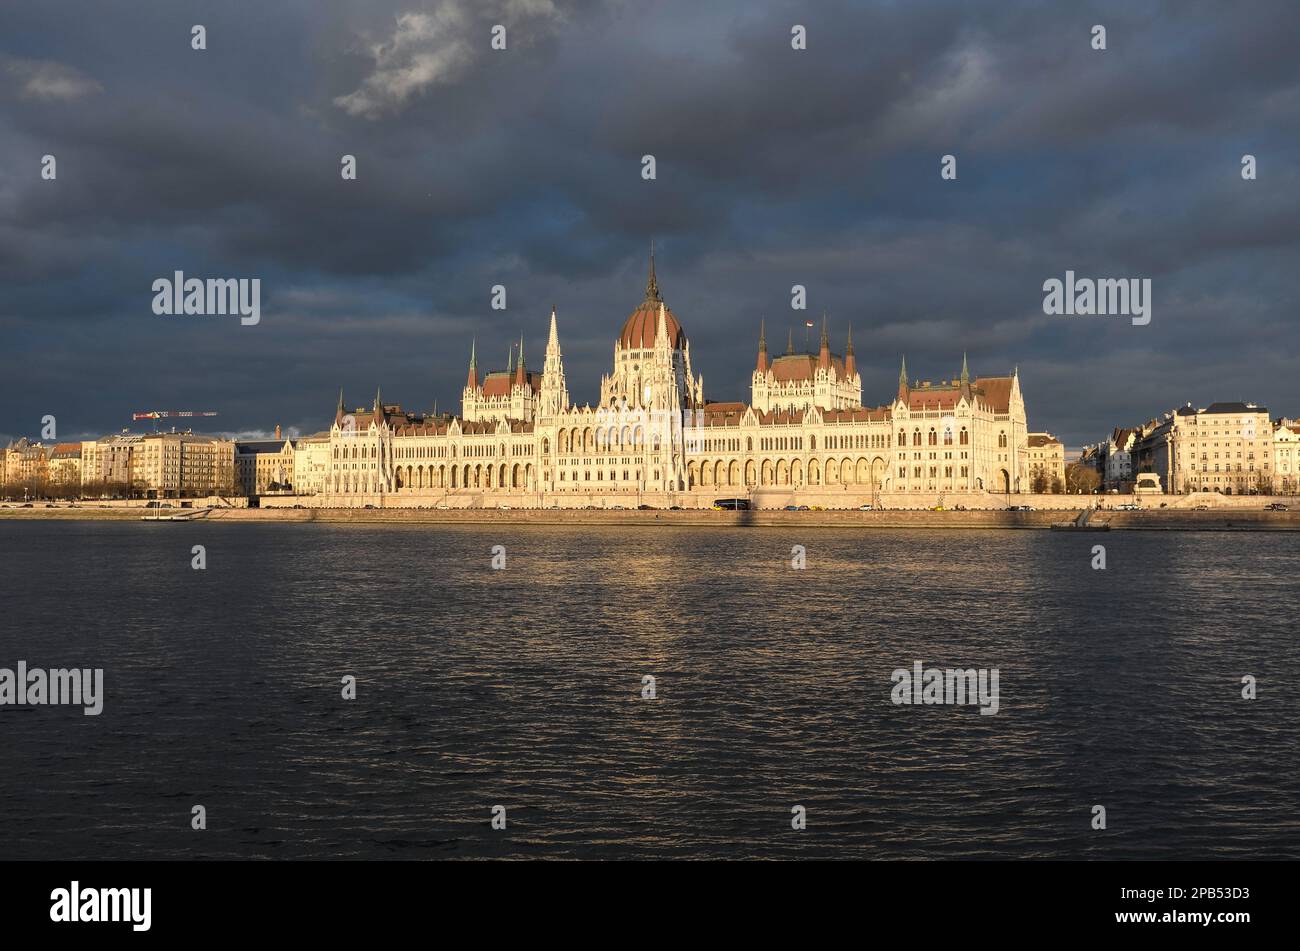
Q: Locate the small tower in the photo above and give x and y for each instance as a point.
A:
(554, 391)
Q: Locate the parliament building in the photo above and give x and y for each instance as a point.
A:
(653, 438)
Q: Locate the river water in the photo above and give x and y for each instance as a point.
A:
(522, 687)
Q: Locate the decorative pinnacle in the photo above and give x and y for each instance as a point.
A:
(652, 285)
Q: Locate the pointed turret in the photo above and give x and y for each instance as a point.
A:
(520, 375)
(824, 352)
(661, 328)
(789, 343)
(761, 366)
(554, 393)
(902, 380)
(340, 412)
(850, 363)
(965, 371)
(472, 381)
(652, 285)
(510, 360)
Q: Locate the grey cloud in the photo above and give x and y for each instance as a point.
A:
(48, 80)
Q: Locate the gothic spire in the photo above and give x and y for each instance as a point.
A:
(652, 285)
(789, 343)
(965, 372)
(761, 366)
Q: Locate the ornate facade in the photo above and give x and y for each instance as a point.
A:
(653, 437)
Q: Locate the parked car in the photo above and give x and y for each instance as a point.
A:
(1276, 507)
(646, 508)
(864, 508)
(1200, 508)
(1128, 507)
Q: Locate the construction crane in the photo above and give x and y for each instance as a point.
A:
(158, 414)
(169, 414)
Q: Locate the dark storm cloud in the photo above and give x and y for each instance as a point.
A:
(523, 168)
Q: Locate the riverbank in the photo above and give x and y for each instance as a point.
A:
(1146, 520)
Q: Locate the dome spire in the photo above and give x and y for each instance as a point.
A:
(652, 285)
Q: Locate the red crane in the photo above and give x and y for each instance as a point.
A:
(169, 414)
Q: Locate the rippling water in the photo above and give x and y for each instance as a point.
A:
(522, 687)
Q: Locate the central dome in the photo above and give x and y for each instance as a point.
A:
(640, 328)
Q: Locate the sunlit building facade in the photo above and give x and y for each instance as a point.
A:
(654, 437)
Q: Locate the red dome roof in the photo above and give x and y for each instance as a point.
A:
(639, 329)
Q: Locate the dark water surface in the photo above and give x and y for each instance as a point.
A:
(522, 687)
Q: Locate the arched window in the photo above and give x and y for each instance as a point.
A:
(1002, 440)
(933, 439)
(916, 437)
(965, 437)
